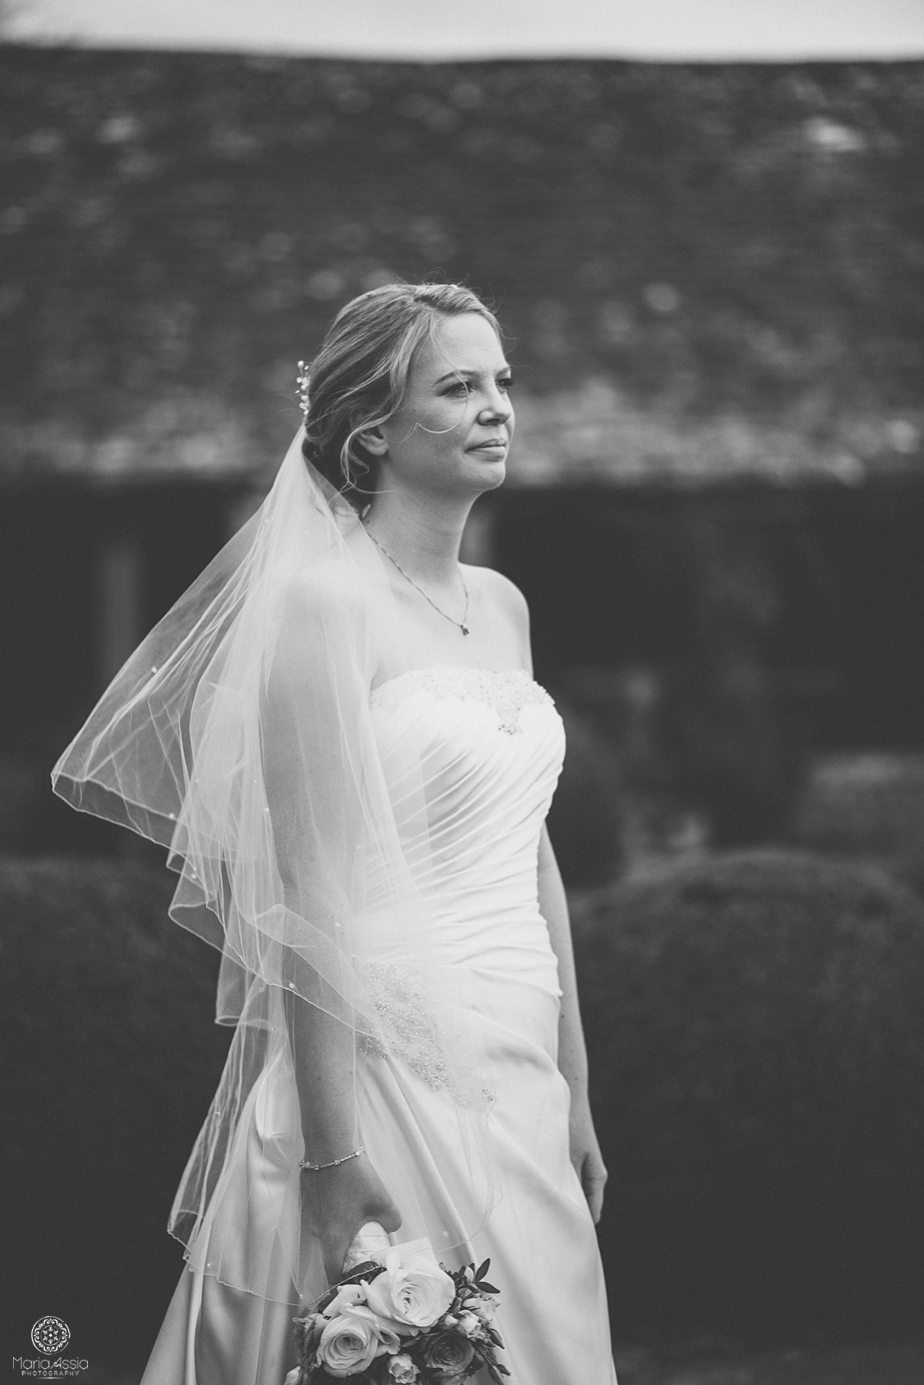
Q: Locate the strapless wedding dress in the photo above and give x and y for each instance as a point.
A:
(494, 743)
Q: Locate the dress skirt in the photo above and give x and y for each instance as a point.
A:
(538, 1232)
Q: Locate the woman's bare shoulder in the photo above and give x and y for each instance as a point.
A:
(319, 613)
(499, 588)
(323, 587)
(508, 606)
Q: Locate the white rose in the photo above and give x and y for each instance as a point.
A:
(402, 1371)
(347, 1297)
(351, 1341)
(469, 1325)
(413, 1291)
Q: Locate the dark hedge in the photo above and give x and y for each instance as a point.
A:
(756, 1030)
(111, 1060)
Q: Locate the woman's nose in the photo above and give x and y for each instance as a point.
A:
(499, 407)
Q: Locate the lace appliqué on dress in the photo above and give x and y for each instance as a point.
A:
(508, 691)
(410, 1033)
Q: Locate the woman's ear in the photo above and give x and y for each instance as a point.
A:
(373, 441)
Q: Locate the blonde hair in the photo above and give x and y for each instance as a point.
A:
(358, 379)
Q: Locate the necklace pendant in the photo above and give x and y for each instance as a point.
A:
(439, 610)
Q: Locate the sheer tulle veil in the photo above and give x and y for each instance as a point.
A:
(240, 736)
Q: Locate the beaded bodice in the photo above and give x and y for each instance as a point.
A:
(507, 691)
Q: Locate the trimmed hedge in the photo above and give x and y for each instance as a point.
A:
(755, 1022)
(867, 804)
(112, 1059)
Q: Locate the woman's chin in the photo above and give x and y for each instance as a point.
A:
(492, 474)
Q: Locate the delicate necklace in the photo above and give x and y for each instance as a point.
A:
(460, 623)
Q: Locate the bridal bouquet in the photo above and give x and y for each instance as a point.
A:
(401, 1320)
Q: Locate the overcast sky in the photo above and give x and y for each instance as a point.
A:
(666, 29)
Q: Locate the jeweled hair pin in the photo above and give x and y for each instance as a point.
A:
(301, 393)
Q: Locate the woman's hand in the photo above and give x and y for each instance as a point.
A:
(337, 1202)
(586, 1156)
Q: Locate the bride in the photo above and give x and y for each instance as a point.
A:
(336, 735)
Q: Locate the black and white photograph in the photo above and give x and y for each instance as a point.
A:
(462, 736)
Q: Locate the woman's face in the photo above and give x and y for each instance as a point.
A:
(453, 429)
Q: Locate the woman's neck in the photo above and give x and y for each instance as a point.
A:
(422, 533)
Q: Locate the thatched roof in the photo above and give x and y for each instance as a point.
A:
(705, 270)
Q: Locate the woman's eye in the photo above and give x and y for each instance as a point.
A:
(462, 388)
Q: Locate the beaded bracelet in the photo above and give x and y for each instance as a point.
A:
(331, 1163)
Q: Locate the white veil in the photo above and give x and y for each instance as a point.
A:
(240, 736)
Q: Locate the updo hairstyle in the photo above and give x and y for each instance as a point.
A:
(358, 379)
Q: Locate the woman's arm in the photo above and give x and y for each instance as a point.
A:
(553, 905)
(336, 1202)
(572, 1053)
(312, 701)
